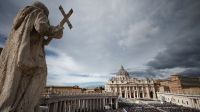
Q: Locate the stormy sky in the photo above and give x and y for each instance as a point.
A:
(151, 38)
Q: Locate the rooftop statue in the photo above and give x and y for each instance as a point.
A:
(23, 68)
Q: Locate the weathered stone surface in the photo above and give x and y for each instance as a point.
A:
(23, 67)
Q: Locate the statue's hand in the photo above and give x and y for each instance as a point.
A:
(58, 32)
(54, 32)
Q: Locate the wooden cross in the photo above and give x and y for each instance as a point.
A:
(64, 20)
(66, 17)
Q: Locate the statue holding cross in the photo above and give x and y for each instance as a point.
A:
(23, 69)
(64, 20)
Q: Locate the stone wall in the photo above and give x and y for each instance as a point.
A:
(185, 85)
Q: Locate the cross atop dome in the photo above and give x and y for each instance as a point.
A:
(122, 68)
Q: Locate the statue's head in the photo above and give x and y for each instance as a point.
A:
(41, 6)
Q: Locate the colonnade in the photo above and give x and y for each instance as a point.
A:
(79, 103)
(135, 91)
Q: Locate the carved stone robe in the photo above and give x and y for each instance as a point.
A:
(23, 69)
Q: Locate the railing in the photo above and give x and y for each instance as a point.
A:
(80, 94)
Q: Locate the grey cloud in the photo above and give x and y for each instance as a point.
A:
(8, 10)
(81, 75)
(183, 52)
(166, 30)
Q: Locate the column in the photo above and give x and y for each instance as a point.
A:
(111, 103)
(70, 107)
(137, 92)
(126, 92)
(101, 100)
(116, 90)
(116, 103)
(92, 104)
(95, 104)
(67, 106)
(154, 93)
(80, 104)
(147, 89)
(88, 104)
(51, 106)
(120, 91)
(73, 105)
(142, 91)
(64, 107)
(130, 92)
(132, 95)
(84, 105)
(59, 106)
(104, 103)
(55, 107)
(100, 104)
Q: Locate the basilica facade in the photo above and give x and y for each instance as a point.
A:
(130, 87)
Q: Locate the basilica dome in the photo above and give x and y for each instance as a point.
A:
(122, 72)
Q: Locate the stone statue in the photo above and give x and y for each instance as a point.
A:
(23, 68)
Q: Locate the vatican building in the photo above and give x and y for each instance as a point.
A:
(130, 87)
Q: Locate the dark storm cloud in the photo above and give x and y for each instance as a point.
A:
(183, 51)
(8, 10)
(149, 73)
(195, 72)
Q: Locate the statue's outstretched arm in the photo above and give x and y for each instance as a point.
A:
(43, 27)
